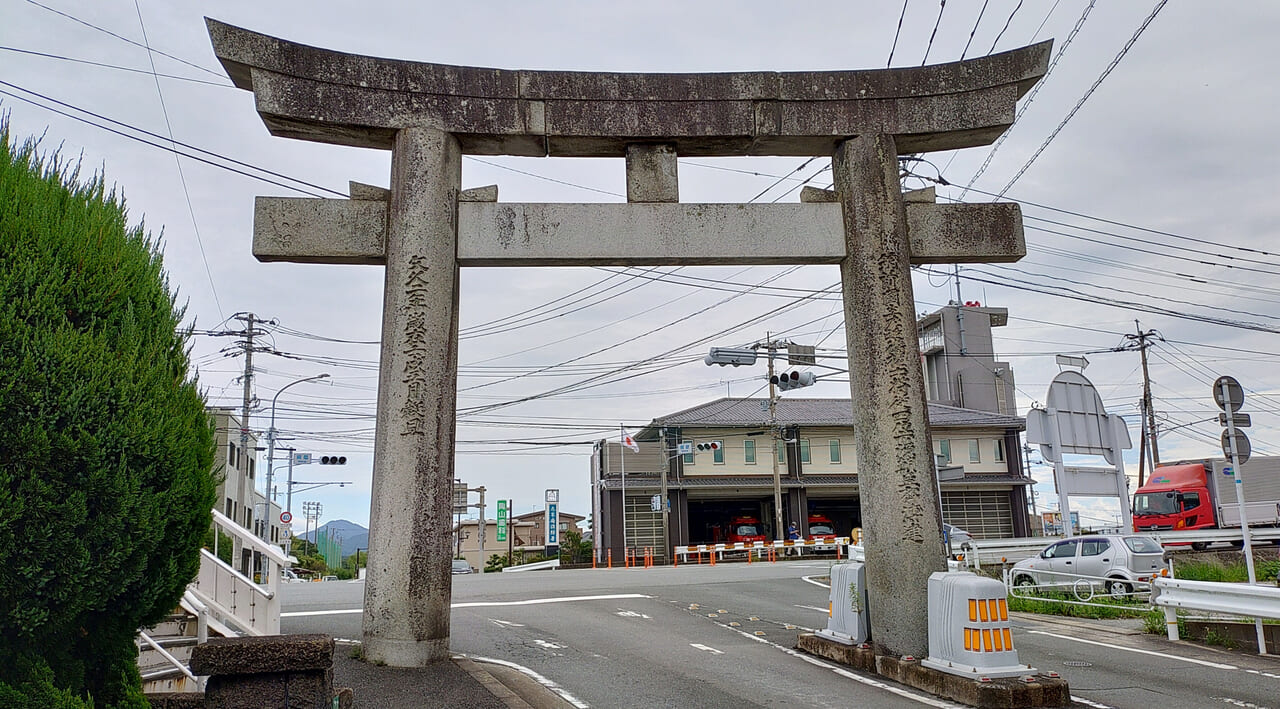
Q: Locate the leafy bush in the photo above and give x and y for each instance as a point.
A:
(106, 453)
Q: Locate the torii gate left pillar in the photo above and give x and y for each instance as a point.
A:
(425, 229)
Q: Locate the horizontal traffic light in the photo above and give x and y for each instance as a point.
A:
(730, 355)
(709, 446)
(333, 460)
(793, 380)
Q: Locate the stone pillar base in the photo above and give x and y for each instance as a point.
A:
(406, 653)
(1040, 691)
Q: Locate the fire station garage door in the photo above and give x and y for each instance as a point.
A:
(986, 514)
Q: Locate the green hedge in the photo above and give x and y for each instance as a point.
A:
(106, 453)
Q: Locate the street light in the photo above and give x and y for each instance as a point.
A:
(271, 436)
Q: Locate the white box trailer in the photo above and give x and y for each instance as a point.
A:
(1260, 481)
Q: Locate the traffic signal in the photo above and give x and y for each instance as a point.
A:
(333, 460)
(709, 446)
(730, 355)
(793, 380)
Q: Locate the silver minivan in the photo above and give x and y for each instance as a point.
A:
(1119, 562)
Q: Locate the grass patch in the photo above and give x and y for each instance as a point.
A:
(1215, 569)
(1055, 603)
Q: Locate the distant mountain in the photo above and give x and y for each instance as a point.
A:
(353, 535)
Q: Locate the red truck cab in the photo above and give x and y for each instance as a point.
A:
(746, 529)
(1175, 497)
(821, 527)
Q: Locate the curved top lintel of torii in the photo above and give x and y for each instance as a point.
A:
(326, 96)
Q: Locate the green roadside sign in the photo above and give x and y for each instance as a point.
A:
(502, 520)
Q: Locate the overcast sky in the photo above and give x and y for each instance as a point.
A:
(1163, 176)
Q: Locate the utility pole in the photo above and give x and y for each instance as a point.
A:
(778, 529)
(1149, 444)
(250, 330)
(1035, 513)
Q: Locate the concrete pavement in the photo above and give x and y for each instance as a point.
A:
(458, 682)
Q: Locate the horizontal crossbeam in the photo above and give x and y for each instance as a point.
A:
(516, 234)
(326, 96)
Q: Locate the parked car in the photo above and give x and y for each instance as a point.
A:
(329, 578)
(460, 566)
(1118, 562)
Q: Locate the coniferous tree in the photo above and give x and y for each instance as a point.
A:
(106, 453)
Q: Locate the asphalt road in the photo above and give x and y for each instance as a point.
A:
(722, 637)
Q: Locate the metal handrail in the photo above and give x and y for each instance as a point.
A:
(168, 656)
(269, 550)
(253, 585)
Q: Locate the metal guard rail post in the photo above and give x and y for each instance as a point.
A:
(1235, 599)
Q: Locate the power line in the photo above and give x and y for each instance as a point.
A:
(975, 28)
(182, 177)
(1098, 82)
(114, 66)
(942, 5)
(1006, 26)
(897, 33)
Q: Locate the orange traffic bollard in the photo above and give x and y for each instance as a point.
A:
(611, 558)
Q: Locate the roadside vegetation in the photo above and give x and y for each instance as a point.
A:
(106, 452)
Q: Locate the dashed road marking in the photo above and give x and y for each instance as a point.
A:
(823, 611)
(810, 579)
(495, 621)
(711, 650)
(548, 644)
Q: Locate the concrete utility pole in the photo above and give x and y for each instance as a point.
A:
(778, 529)
(1149, 448)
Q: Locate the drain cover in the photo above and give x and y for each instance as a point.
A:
(1077, 663)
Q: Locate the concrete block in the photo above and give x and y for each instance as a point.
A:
(489, 193)
(319, 230)
(270, 691)
(263, 654)
(1007, 693)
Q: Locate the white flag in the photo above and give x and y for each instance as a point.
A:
(629, 441)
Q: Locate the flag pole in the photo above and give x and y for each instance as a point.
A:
(622, 454)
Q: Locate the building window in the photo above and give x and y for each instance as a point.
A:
(688, 458)
(717, 455)
(975, 456)
(231, 510)
(231, 454)
(749, 452)
(804, 450)
(999, 450)
(944, 449)
(835, 450)
(251, 466)
(781, 447)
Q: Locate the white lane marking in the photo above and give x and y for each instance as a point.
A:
(1206, 663)
(1241, 703)
(299, 614)
(847, 674)
(1086, 702)
(708, 649)
(495, 621)
(809, 579)
(1264, 674)
(483, 604)
(535, 676)
(823, 611)
(632, 614)
(548, 645)
(537, 601)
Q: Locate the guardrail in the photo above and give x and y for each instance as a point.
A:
(234, 599)
(535, 566)
(760, 550)
(993, 551)
(1029, 585)
(1239, 600)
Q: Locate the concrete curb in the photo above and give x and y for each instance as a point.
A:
(491, 683)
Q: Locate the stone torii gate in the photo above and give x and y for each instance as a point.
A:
(426, 227)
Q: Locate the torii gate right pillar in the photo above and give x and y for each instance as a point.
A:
(895, 451)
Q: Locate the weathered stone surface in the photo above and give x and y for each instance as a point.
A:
(280, 690)
(895, 453)
(264, 654)
(492, 233)
(176, 700)
(319, 230)
(359, 190)
(409, 581)
(1005, 693)
(488, 193)
(318, 94)
(652, 173)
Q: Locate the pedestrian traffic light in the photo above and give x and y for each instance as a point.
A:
(709, 446)
(793, 380)
(730, 355)
(333, 460)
